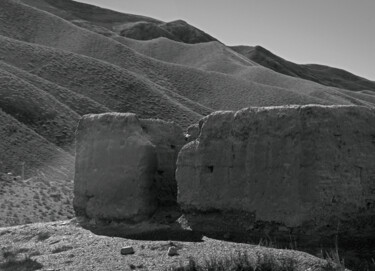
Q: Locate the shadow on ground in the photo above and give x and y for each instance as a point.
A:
(164, 225)
(169, 224)
(352, 240)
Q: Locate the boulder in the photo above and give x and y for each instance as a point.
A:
(303, 167)
(172, 251)
(118, 157)
(127, 250)
(192, 132)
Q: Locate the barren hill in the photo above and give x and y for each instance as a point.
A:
(112, 23)
(324, 75)
(21, 144)
(193, 83)
(115, 25)
(214, 56)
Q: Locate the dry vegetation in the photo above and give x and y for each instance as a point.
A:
(34, 200)
(20, 144)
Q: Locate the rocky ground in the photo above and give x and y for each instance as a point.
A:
(64, 245)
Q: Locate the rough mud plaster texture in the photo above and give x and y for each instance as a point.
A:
(118, 158)
(288, 165)
(168, 139)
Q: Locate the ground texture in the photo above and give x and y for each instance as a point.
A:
(66, 246)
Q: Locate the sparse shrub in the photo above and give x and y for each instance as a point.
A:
(61, 249)
(25, 264)
(4, 232)
(13, 260)
(240, 262)
(268, 243)
(41, 236)
(8, 253)
(334, 261)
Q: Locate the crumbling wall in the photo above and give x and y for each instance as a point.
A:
(124, 165)
(290, 165)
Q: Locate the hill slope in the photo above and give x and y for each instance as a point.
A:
(112, 23)
(324, 75)
(137, 27)
(20, 144)
(213, 56)
(195, 84)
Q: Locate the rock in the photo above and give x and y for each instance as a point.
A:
(118, 159)
(172, 251)
(127, 250)
(192, 132)
(92, 222)
(291, 166)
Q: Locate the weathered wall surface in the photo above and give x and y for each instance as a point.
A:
(168, 139)
(290, 165)
(119, 160)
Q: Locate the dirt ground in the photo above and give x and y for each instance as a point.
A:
(64, 245)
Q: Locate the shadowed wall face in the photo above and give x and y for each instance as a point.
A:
(125, 166)
(115, 165)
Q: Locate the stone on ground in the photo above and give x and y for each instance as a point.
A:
(172, 251)
(127, 250)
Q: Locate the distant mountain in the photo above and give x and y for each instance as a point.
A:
(114, 24)
(177, 30)
(111, 23)
(317, 73)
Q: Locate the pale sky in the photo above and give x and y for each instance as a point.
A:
(338, 33)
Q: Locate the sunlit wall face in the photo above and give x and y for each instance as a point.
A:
(338, 33)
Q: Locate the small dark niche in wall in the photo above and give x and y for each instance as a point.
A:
(144, 128)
